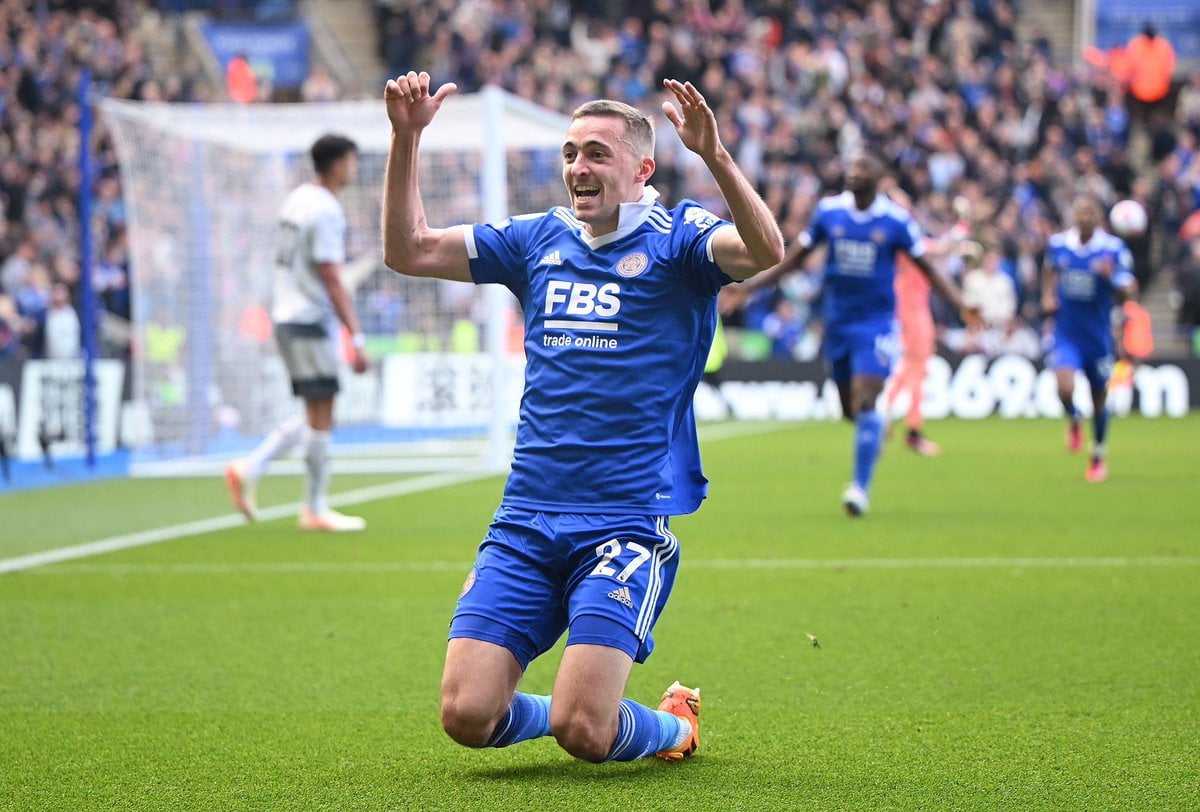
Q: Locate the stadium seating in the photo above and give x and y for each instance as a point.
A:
(945, 91)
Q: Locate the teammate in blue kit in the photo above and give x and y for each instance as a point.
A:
(1086, 271)
(865, 231)
(619, 300)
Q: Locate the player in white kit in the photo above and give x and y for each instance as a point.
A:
(309, 302)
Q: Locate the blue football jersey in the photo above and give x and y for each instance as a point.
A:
(1085, 298)
(861, 265)
(617, 331)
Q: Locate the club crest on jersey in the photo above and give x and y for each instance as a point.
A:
(632, 265)
(700, 218)
(470, 582)
(838, 231)
(878, 236)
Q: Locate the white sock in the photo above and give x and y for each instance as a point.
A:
(317, 461)
(285, 437)
(685, 730)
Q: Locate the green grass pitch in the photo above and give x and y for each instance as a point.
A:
(995, 634)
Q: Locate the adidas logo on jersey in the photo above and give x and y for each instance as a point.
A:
(553, 258)
(621, 595)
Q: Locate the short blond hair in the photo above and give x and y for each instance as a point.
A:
(639, 130)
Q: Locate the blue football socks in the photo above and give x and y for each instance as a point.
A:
(868, 437)
(643, 732)
(1100, 429)
(528, 717)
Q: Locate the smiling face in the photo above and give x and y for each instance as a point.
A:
(602, 169)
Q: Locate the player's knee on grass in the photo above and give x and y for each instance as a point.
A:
(582, 735)
(469, 719)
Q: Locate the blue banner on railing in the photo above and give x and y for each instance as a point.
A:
(281, 50)
(234, 9)
(1118, 21)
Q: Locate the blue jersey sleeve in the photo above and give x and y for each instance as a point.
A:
(498, 252)
(911, 239)
(1122, 267)
(817, 231)
(691, 236)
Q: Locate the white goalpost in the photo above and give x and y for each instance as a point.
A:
(203, 185)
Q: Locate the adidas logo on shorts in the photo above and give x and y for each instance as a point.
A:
(621, 595)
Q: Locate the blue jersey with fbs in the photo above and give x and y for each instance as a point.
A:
(1085, 297)
(861, 266)
(617, 331)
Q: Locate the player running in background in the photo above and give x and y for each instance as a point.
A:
(917, 334)
(1086, 271)
(619, 301)
(917, 341)
(309, 301)
(866, 233)
(1134, 341)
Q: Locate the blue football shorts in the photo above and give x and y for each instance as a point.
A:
(1067, 353)
(602, 578)
(866, 348)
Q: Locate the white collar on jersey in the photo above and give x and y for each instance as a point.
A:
(1072, 240)
(878, 206)
(630, 216)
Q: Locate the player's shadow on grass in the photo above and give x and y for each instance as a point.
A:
(571, 771)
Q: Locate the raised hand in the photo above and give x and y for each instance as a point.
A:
(410, 107)
(693, 120)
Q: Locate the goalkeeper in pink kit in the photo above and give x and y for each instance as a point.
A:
(917, 335)
(917, 338)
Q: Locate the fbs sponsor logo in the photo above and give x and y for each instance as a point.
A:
(582, 298)
(621, 595)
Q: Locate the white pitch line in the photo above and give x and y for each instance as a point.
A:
(372, 567)
(733, 429)
(176, 531)
(719, 431)
(1016, 562)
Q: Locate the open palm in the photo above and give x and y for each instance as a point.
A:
(693, 120)
(410, 107)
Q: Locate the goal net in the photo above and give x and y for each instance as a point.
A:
(203, 186)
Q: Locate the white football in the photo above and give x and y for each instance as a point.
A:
(1128, 218)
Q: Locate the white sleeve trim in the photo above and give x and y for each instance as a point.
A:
(708, 251)
(469, 238)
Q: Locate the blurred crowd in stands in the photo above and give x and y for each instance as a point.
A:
(43, 46)
(971, 121)
(942, 90)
